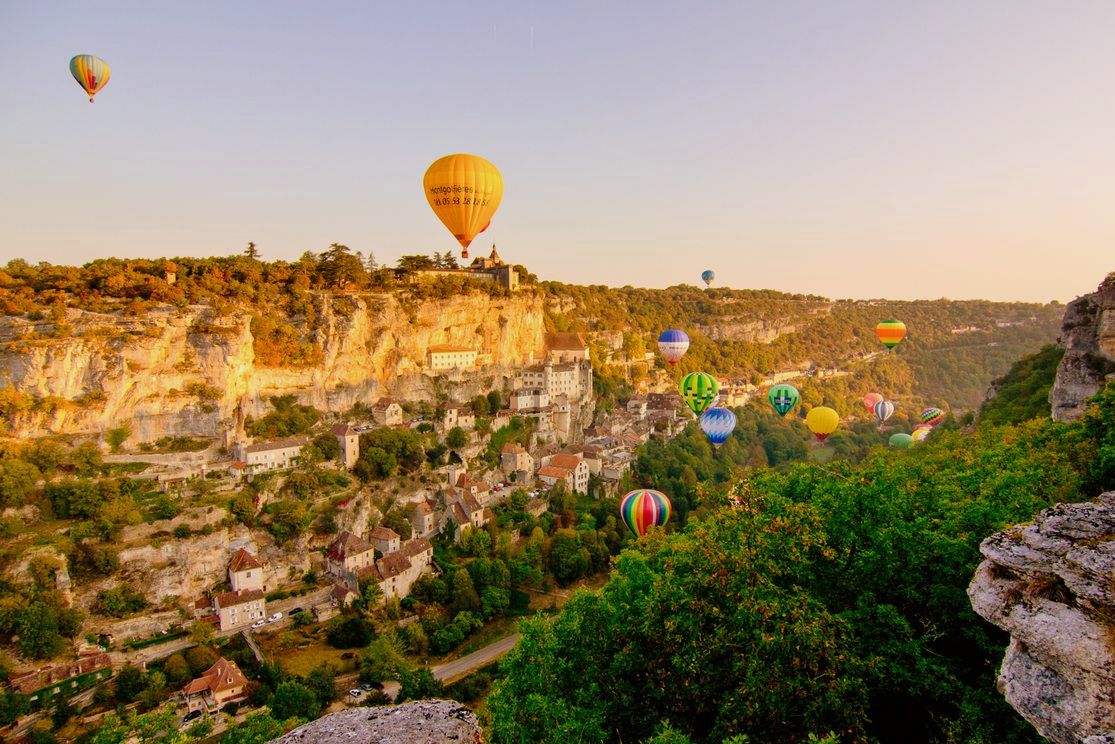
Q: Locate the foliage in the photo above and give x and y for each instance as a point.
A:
(287, 419)
(294, 700)
(350, 631)
(1023, 392)
(120, 601)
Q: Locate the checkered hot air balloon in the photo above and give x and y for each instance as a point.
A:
(883, 410)
(932, 416)
(783, 398)
(642, 509)
(718, 424)
(891, 332)
(699, 391)
(673, 345)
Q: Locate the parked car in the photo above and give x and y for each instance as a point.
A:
(355, 693)
(365, 687)
(191, 716)
(276, 616)
(259, 623)
(295, 611)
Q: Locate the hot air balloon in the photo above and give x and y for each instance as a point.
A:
(884, 409)
(699, 391)
(783, 397)
(822, 421)
(921, 433)
(90, 72)
(464, 191)
(870, 400)
(718, 424)
(891, 332)
(932, 416)
(707, 276)
(642, 509)
(673, 344)
(901, 441)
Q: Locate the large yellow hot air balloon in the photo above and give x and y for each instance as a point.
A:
(90, 72)
(822, 421)
(464, 191)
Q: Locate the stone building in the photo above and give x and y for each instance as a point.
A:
(245, 572)
(349, 440)
(447, 356)
(276, 454)
(221, 684)
(240, 609)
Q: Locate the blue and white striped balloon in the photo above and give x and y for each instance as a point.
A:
(718, 424)
(673, 345)
(883, 410)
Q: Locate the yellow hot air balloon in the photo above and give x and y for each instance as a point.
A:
(822, 421)
(90, 72)
(464, 191)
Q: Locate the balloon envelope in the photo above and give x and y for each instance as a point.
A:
(673, 345)
(870, 400)
(707, 276)
(932, 416)
(884, 409)
(699, 391)
(921, 433)
(90, 72)
(783, 398)
(464, 191)
(718, 424)
(891, 332)
(642, 509)
(822, 421)
(900, 440)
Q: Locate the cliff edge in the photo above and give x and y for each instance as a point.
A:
(1051, 585)
(1088, 338)
(417, 722)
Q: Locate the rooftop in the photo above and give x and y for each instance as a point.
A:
(413, 547)
(383, 533)
(346, 545)
(565, 461)
(343, 430)
(393, 564)
(550, 471)
(219, 677)
(565, 342)
(242, 560)
(232, 599)
(448, 349)
(277, 444)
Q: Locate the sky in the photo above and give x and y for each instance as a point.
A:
(852, 149)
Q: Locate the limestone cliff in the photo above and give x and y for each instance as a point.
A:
(417, 722)
(1051, 585)
(1088, 338)
(193, 372)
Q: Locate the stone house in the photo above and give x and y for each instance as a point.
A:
(240, 609)
(385, 539)
(637, 407)
(245, 572)
(347, 554)
(91, 667)
(479, 490)
(221, 684)
(424, 518)
(445, 356)
(387, 413)
(276, 454)
(566, 347)
(452, 416)
(515, 459)
(349, 440)
(396, 572)
(465, 512)
(529, 399)
(563, 466)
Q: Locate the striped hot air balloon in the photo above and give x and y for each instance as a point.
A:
(901, 441)
(884, 409)
(90, 72)
(870, 400)
(642, 509)
(699, 391)
(783, 398)
(673, 345)
(891, 332)
(718, 424)
(932, 416)
(822, 421)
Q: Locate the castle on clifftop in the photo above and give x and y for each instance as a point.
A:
(491, 269)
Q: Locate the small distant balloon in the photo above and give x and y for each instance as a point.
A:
(901, 441)
(870, 400)
(884, 409)
(464, 191)
(718, 424)
(783, 398)
(90, 72)
(699, 390)
(822, 421)
(932, 416)
(707, 276)
(643, 509)
(891, 332)
(673, 344)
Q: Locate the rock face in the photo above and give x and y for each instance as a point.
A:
(418, 722)
(1051, 585)
(191, 372)
(1088, 338)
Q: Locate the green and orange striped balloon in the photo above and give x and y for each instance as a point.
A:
(642, 509)
(891, 332)
(90, 72)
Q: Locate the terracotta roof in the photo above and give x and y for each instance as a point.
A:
(384, 533)
(346, 545)
(447, 349)
(276, 444)
(512, 448)
(238, 465)
(565, 461)
(343, 430)
(464, 482)
(371, 571)
(340, 592)
(469, 503)
(232, 599)
(554, 472)
(423, 507)
(219, 677)
(565, 341)
(393, 564)
(459, 515)
(37, 679)
(243, 561)
(383, 405)
(413, 547)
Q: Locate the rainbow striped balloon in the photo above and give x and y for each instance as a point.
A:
(932, 416)
(90, 72)
(673, 345)
(718, 424)
(642, 509)
(891, 332)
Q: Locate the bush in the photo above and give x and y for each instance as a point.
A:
(120, 601)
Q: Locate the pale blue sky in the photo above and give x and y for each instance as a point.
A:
(850, 149)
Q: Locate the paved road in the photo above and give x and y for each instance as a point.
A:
(453, 670)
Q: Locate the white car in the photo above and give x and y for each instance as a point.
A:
(276, 616)
(355, 693)
(259, 623)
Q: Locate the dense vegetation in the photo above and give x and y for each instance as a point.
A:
(813, 600)
(1023, 392)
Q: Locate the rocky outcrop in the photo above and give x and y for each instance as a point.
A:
(1051, 585)
(191, 372)
(1088, 338)
(418, 722)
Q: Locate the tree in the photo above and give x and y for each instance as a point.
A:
(200, 658)
(462, 593)
(177, 671)
(251, 251)
(12, 706)
(17, 482)
(294, 700)
(350, 631)
(86, 459)
(416, 684)
(257, 728)
(116, 437)
(456, 438)
(37, 627)
(130, 681)
(410, 264)
(322, 683)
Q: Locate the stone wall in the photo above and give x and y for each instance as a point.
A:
(1088, 338)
